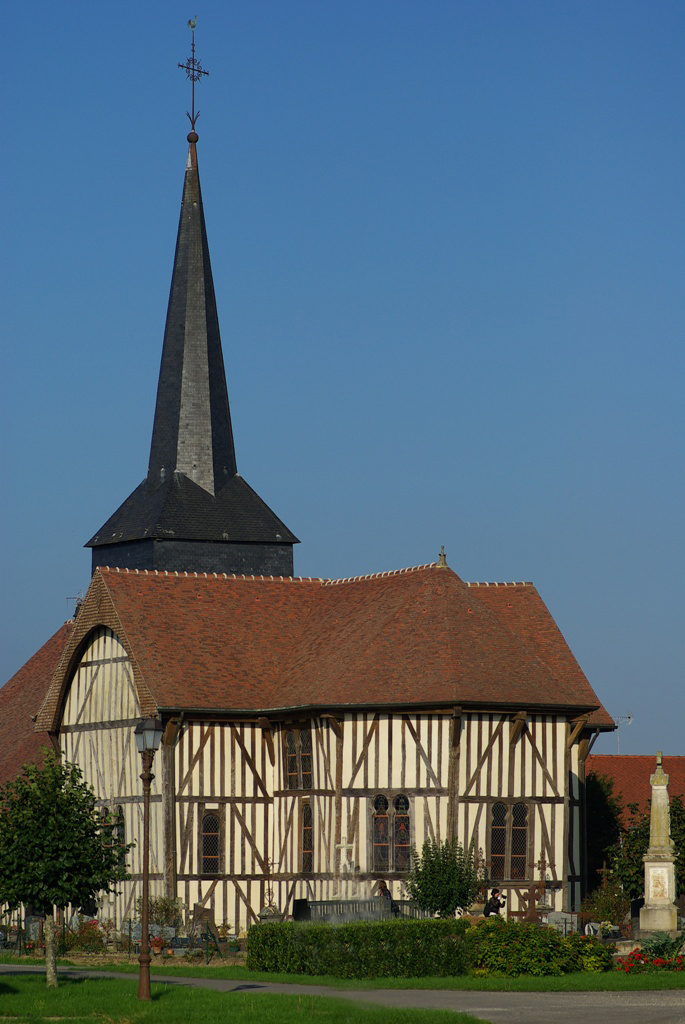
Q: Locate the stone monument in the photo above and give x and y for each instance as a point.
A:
(659, 913)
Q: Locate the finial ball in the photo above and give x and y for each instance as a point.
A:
(193, 136)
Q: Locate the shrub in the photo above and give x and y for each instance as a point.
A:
(592, 955)
(164, 911)
(364, 949)
(444, 877)
(662, 945)
(87, 939)
(608, 903)
(514, 948)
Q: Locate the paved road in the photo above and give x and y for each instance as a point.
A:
(497, 1007)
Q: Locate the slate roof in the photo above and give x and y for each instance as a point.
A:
(631, 772)
(192, 491)
(20, 699)
(178, 509)
(406, 638)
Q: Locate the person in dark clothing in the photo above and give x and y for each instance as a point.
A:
(494, 904)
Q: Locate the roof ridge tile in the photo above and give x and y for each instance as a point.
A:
(380, 575)
(514, 583)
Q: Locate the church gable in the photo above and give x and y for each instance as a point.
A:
(102, 688)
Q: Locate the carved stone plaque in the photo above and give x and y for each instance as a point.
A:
(658, 884)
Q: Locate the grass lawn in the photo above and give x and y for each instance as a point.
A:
(611, 981)
(24, 1000)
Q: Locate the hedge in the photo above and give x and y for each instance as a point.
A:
(363, 949)
(414, 949)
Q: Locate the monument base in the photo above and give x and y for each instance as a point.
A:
(658, 919)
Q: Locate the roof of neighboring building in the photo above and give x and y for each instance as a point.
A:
(630, 774)
(410, 637)
(20, 699)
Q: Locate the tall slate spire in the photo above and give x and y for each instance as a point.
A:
(192, 429)
(193, 512)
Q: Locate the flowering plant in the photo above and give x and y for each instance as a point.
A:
(639, 962)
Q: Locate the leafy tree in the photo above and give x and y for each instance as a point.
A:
(604, 812)
(56, 846)
(607, 903)
(627, 866)
(444, 877)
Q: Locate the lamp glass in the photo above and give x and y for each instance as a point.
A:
(148, 734)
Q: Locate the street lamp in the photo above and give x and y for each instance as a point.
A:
(148, 735)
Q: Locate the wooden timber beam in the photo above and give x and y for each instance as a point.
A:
(518, 724)
(268, 737)
(578, 724)
(456, 727)
(335, 724)
(586, 744)
(170, 730)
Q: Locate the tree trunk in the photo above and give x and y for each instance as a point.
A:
(50, 952)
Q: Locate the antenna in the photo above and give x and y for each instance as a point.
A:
(78, 601)
(628, 719)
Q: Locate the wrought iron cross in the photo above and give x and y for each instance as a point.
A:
(194, 71)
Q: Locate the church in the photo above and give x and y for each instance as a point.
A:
(316, 731)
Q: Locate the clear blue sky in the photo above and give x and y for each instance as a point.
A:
(448, 246)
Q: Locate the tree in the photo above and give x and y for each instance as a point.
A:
(444, 878)
(56, 846)
(603, 814)
(627, 866)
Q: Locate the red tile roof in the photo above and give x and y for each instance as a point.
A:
(630, 774)
(20, 699)
(411, 637)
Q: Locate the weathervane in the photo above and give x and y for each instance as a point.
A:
(194, 71)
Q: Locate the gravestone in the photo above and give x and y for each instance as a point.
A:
(659, 914)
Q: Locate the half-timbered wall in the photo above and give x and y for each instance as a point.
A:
(258, 812)
(241, 770)
(513, 760)
(100, 712)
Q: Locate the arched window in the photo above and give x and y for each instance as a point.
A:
(307, 839)
(391, 833)
(402, 834)
(306, 758)
(211, 844)
(509, 842)
(381, 834)
(498, 842)
(298, 758)
(292, 774)
(119, 834)
(519, 840)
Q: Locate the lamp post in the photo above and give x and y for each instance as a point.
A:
(148, 735)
